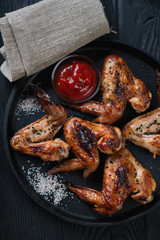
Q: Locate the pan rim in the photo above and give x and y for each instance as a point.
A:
(45, 206)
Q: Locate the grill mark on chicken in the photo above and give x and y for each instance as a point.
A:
(36, 149)
(122, 173)
(120, 66)
(110, 143)
(119, 91)
(141, 198)
(85, 138)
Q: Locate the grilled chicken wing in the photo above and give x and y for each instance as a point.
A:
(123, 177)
(37, 138)
(119, 85)
(85, 137)
(144, 131)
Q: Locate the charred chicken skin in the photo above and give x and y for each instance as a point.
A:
(123, 177)
(119, 86)
(144, 131)
(37, 138)
(85, 138)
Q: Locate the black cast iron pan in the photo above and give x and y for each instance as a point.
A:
(71, 208)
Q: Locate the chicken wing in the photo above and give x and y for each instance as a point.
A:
(85, 138)
(37, 138)
(144, 131)
(123, 177)
(119, 85)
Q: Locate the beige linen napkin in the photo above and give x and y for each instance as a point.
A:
(38, 35)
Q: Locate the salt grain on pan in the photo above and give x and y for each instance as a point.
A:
(48, 186)
(28, 106)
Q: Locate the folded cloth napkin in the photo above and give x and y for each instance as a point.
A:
(38, 35)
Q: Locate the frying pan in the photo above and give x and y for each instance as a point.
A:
(72, 208)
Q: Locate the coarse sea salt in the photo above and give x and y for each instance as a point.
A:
(28, 106)
(50, 187)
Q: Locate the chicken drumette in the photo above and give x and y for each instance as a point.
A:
(123, 177)
(37, 138)
(119, 86)
(85, 138)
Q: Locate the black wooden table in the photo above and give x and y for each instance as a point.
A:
(137, 23)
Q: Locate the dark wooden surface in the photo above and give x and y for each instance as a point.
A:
(137, 23)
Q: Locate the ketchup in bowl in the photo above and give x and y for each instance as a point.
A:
(76, 78)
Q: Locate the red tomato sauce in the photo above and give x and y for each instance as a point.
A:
(76, 80)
